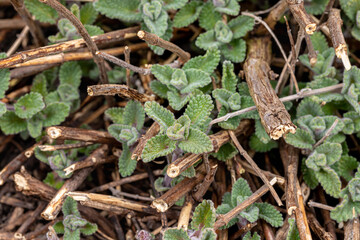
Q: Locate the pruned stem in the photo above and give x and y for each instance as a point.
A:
(79, 134)
(317, 228)
(225, 218)
(320, 205)
(311, 51)
(334, 24)
(352, 228)
(54, 207)
(25, 56)
(185, 213)
(204, 186)
(117, 89)
(50, 148)
(153, 39)
(301, 16)
(123, 64)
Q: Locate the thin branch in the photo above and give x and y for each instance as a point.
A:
(93, 162)
(255, 167)
(320, 205)
(317, 228)
(18, 40)
(157, 41)
(302, 94)
(301, 16)
(185, 213)
(326, 12)
(127, 60)
(50, 148)
(311, 51)
(151, 132)
(123, 64)
(327, 133)
(34, 28)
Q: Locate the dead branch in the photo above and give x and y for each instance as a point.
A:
(202, 188)
(185, 213)
(151, 132)
(117, 89)
(317, 228)
(273, 17)
(50, 148)
(352, 229)
(301, 16)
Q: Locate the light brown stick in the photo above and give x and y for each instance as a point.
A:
(301, 16)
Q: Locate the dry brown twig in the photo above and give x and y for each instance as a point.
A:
(301, 16)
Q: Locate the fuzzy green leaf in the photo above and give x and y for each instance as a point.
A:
(231, 123)
(254, 237)
(318, 40)
(316, 6)
(158, 146)
(204, 215)
(134, 115)
(163, 73)
(207, 40)
(351, 77)
(229, 80)
(161, 115)
(309, 175)
(70, 207)
(93, 30)
(259, 146)
(223, 209)
(196, 79)
(123, 133)
(41, 11)
(350, 8)
(116, 114)
(4, 78)
(240, 188)
(175, 234)
(315, 161)
(174, 4)
(10, 123)
(55, 113)
(293, 233)
(250, 213)
(208, 234)
(198, 109)
(177, 101)
(344, 211)
(301, 139)
(225, 152)
(261, 133)
(270, 214)
(223, 33)
(329, 180)
(309, 107)
(126, 10)
(234, 51)
(241, 25)
(346, 165)
(34, 126)
(208, 16)
(2, 108)
(187, 15)
(197, 142)
(206, 63)
(28, 105)
(126, 164)
(332, 151)
(232, 8)
(59, 227)
(159, 88)
(354, 189)
(68, 93)
(88, 14)
(89, 229)
(72, 235)
(39, 85)
(157, 26)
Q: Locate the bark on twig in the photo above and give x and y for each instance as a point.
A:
(71, 184)
(204, 186)
(301, 16)
(157, 41)
(25, 56)
(79, 134)
(274, 117)
(317, 228)
(34, 28)
(117, 89)
(50, 148)
(273, 17)
(151, 132)
(352, 229)
(185, 213)
(225, 218)
(217, 139)
(334, 24)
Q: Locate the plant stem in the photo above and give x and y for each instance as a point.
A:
(302, 94)
(317, 228)
(49, 148)
(151, 132)
(327, 133)
(127, 60)
(301, 16)
(155, 40)
(185, 213)
(320, 205)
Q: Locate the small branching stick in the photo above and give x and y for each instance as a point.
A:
(54, 207)
(117, 89)
(66, 13)
(79, 134)
(317, 228)
(301, 16)
(34, 28)
(202, 188)
(255, 167)
(327, 134)
(151, 132)
(155, 40)
(274, 117)
(188, 160)
(225, 218)
(25, 56)
(50, 148)
(337, 38)
(319, 205)
(273, 17)
(16, 163)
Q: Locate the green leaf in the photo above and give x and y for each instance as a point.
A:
(344, 211)
(270, 214)
(223, 209)
(180, 130)
(161, 115)
(354, 189)
(70, 207)
(188, 14)
(241, 25)
(126, 164)
(319, 42)
(4, 80)
(208, 16)
(34, 126)
(232, 8)
(309, 107)
(159, 186)
(261, 133)
(259, 146)
(174, 4)
(51, 181)
(316, 161)
(177, 101)
(39, 85)
(316, 6)
(207, 40)
(231, 123)
(126, 10)
(159, 25)
(240, 188)
(254, 237)
(309, 175)
(223, 33)
(28, 105)
(196, 79)
(197, 142)
(204, 215)
(206, 63)
(229, 80)
(88, 14)
(351, 77)
(208, 234)
(59, 227)
(68, 92)
(89, 229)
(350, 8)
(115, 114)
(226, 151)
(55, 113)
(301, 139)
(93, 30)
(72, 235)
(159, 88)
(329, 180)
(175, 234)
(158, 146)
(332, 151)
(163, 73)
(41, 11)
(198, 109)
(346, 165)
(250, 213)
(134, 115)
(2, 109)
(293, 233)
(234, 51)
